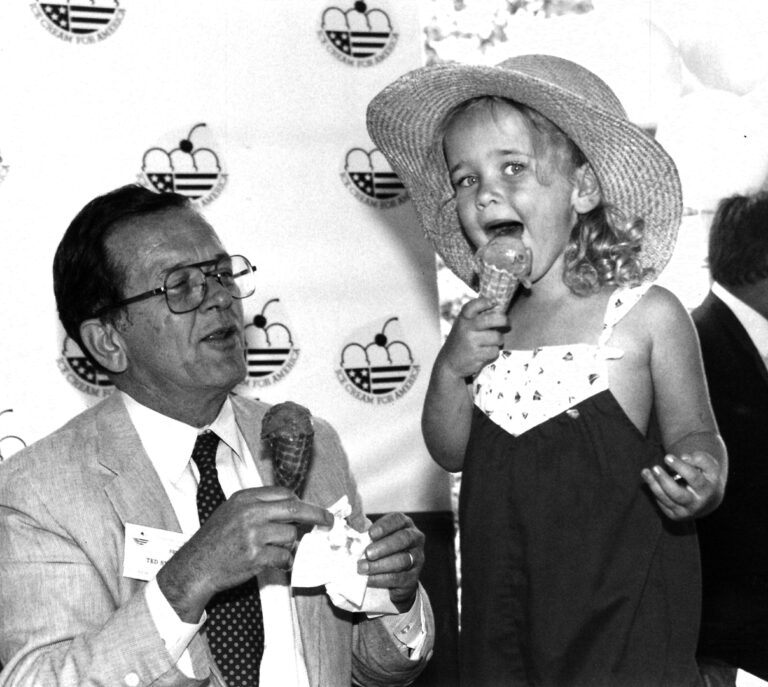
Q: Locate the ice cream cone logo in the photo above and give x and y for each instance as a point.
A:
(9, 443)
(190, 170)
(381, 370)
(370, 179)
(357, 35)
(81, 372)
(270, 350)
(79, 21)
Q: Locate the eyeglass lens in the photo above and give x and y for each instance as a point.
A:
(185, 287)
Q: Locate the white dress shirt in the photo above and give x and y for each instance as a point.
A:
(169, 444)
(753, 322)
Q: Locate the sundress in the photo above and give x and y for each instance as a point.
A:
(571, 575)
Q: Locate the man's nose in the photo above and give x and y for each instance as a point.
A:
(216, 294)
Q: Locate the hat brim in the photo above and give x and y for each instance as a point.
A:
(636, 174)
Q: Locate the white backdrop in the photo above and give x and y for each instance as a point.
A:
(259, 105)
(261, 96)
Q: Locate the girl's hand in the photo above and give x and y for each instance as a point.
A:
(476, 338)
(693, 492)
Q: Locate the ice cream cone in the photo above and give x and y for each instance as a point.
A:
(502, 265)
(291, 457)
(287, 430)
(498, 286)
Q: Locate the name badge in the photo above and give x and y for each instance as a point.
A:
(147, 549)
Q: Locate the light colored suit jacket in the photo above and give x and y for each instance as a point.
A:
(67, 614)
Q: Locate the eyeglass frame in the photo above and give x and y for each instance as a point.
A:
(163, 290)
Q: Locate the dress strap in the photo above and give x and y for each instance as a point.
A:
(622, 300)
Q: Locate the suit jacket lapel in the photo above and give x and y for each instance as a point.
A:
(325, 660)
(138, 496)
(249, 425)
(136, 491)
(731, 324)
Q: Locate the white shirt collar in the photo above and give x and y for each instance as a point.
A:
(752, 321)
(225, 426)
(169, 442)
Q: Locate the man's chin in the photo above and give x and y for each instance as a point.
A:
(226, 373)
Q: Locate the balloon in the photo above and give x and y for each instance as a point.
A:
(724, 43)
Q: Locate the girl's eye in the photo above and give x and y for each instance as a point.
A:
(465, 181)
(513, 168)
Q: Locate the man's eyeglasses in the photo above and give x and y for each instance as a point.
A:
(185, 287)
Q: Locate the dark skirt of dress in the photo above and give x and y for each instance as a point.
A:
(571, 575)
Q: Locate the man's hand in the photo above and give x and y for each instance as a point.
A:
(252, 530)
(697, 495)
(475, 338)
(394, 558)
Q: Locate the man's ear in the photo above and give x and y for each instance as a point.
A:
(586, 189)
(105, 344)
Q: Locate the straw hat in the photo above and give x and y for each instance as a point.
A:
(636, 174)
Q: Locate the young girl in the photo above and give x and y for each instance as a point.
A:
(580, 418)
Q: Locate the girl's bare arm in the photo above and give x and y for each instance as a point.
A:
(695, 450)
(474, 341)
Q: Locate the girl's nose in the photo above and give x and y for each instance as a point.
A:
(487, 193)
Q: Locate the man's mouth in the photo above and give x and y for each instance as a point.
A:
(221, 334)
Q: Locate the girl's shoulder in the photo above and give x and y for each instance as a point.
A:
(657, 312)
(658, 303)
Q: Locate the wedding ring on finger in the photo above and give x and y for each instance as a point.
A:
(413, 561)
(680, 480)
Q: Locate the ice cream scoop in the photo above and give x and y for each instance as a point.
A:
(502, 265)
(287, 430)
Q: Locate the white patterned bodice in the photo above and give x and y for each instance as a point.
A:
(523, 388)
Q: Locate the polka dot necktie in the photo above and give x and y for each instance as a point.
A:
(234, 628)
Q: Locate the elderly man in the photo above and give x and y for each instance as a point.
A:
(174, 460)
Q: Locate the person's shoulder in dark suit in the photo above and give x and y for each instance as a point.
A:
(731, 318)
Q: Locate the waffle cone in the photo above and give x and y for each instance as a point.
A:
(291, 456)
(498, 285)
(287, 430)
